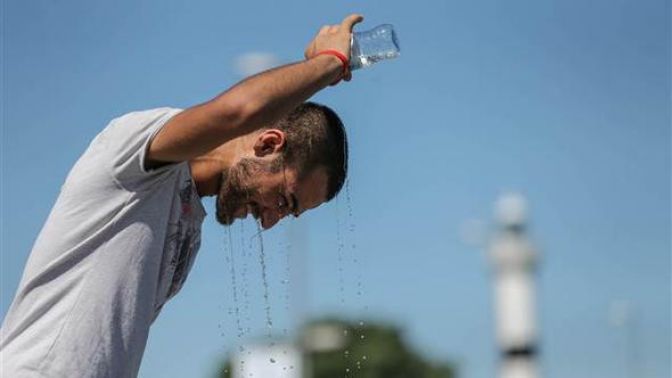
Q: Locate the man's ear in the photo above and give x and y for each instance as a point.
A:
(268, 142)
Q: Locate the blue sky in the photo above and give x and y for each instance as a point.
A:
(567, 102)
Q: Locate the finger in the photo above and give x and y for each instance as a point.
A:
(351, 20)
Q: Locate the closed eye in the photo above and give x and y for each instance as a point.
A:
(282, 202)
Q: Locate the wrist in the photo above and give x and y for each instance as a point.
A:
(338, 61)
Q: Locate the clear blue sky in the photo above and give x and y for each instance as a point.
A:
(566, 101)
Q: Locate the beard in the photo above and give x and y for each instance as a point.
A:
(236, 186)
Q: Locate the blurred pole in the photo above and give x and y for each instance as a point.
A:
(514, 260)
(297, 234)
(622, 317)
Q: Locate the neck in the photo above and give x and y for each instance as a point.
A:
(207, 175)
(206, 170)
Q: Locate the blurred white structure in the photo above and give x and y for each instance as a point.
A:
(514, 260)
(268, 360)
(252, 63)
(321, 338)
(286, 360)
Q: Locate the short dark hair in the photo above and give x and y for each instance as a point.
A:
(315, 138)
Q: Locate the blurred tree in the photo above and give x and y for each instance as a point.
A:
(374, 351)
(364, 351)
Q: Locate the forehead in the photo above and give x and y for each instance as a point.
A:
(311, 190)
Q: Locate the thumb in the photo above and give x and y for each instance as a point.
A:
(349, 22)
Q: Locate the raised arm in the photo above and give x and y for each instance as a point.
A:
(254, 102)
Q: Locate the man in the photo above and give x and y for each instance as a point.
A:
(125, 229)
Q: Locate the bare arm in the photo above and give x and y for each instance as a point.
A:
(255, 102)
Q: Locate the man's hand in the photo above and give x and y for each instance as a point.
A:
(334, 37)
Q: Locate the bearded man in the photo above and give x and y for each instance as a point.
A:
(125, 229)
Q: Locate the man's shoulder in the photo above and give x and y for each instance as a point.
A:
(146, 115)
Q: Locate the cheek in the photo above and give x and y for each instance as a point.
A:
(249, 187)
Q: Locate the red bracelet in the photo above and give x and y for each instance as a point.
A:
(344, 61)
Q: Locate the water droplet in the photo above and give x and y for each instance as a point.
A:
(364, 357)
(361, 323)
(272, 360)
(264, 277)
(361, 337)
(234, 285)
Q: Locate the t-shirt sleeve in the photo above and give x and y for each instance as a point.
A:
(126, 142)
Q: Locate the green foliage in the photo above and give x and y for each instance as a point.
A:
(369, 351)
(375, 351)
(224, 370)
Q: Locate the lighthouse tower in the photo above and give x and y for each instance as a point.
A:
(514, 262)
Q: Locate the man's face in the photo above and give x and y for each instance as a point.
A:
(268, 192)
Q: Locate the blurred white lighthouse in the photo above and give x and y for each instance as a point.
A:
(514, 260)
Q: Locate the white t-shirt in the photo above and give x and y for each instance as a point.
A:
(117, 245)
